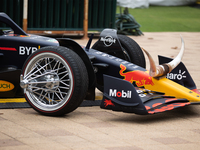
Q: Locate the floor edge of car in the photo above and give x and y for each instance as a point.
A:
(21, 103)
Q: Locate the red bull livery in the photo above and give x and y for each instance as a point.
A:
(55, 76)
(141, 78)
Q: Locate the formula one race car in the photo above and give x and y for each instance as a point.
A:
(56, 75)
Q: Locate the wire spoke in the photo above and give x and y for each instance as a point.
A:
(40, 99)
(64, 83)
(58, 66)
(36, 65)
(51, 71)
(60, 93)
(64, 76)
(55, 65)
(49, 81)
(67, 80)
(63, 72)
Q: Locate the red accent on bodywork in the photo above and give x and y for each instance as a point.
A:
(11, 34)
(156, 104)
(8, 48)
(170, 100)
(196, 91)
(147, 107)
(108, 102)
(141, 78)
(168, 107)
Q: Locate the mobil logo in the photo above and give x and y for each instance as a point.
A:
(123, 94)
(140, 78)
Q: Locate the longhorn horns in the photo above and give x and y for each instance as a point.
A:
(162, 70)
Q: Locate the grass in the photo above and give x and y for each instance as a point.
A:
(167, 19)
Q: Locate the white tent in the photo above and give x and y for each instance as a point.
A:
(133, 3)
(171, 2)
(146, 3)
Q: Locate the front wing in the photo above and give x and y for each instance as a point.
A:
(121, 95)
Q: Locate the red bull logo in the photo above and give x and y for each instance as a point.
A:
(139, 77)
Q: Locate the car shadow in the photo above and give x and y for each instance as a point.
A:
(179, 113)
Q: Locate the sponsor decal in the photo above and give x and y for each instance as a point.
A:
(141, 93)
(139, 77)
(174, 76)
(108, 103)
(108, 40)
(8, 48)
(123, 94)
(6, 86)
(23, 50)
(117, 59)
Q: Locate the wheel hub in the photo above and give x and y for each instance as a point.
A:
(52, 81)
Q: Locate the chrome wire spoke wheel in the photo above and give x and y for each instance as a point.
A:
(49, 81)
(55, 80)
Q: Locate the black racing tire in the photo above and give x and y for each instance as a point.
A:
(57, 80)
(133, 52)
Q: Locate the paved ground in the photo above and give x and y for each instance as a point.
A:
(90, 128)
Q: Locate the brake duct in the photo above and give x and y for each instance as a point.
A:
(162, 70)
